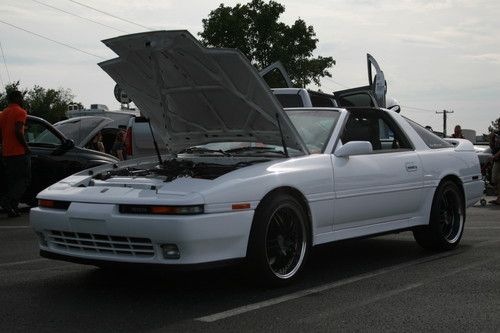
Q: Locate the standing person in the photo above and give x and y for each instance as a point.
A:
(119, 148)
(495, 159)
(15, 152)
(457, 133)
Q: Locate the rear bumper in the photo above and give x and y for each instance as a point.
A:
(99, 233)
(473, 192)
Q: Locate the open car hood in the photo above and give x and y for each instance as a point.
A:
(82, 129)
(195, 95)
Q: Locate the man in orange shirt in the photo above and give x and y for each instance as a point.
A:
(15, 152)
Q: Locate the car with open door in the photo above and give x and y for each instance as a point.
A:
(54, 156)
(371, 95)
(246, 180)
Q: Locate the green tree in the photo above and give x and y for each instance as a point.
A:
(3, 94)
(49, 104)
(495, 126)
(253, 28)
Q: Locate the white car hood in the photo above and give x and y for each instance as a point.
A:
(195, 95)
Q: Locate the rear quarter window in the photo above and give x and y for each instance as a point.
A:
(431, 140)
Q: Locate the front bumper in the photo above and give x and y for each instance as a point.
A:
(99, 232)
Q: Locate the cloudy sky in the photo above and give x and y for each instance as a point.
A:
(436, 54)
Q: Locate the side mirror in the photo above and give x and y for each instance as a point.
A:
(354, 148)
(67, 144)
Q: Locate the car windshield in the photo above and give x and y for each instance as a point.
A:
(314, 127)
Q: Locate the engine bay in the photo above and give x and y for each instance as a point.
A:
(172, 169)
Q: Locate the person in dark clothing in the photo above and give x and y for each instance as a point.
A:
(495, 159)
(15, 153)
(457, 133)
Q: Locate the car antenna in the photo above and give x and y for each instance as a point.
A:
(282, 136)
(155, 143)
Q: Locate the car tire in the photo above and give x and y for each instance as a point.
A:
(279, 241)
(447, 219)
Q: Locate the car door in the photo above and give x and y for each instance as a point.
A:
(276, 76)
(382, 186)
(372, 95)
(50, 160)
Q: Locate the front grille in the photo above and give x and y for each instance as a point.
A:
(86, 243)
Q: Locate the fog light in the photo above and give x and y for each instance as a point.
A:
(41, 238)
(170, 251)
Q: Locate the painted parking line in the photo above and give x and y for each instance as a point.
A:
(15, 263)
(322, 288)
(483, 228)
(329, 286)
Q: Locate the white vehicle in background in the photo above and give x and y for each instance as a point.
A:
(138, 138)
(246, 179)
(372, 95)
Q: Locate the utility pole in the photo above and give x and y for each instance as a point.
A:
(444, 112)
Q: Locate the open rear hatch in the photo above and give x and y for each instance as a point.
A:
(195, 95)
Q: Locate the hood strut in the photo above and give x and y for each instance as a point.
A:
(155, 144)
(282, 136)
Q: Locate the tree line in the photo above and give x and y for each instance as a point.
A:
(47, 103)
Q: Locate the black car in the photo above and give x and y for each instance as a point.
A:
(54, 156)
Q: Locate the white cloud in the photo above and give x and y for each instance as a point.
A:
(491, 58)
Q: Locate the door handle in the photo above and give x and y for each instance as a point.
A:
(410, 167)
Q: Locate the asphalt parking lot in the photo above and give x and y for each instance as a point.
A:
(380, 284)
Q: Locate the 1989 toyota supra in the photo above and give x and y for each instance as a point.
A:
(246, 179)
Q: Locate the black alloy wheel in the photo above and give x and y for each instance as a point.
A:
(447, 219)
(280, 240)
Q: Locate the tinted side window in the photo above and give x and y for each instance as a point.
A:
(431, 140)
(290, 100)
(321, 101)
(37, 134)
(362, 99)
(380, 131)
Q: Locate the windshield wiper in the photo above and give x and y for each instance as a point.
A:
(201, 150)
(255, 149)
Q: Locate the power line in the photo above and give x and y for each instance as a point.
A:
(1, 79)
(337, 83)
(52, 40)
(109, 14)
(72, 14)
(5, 62)
(419, 109)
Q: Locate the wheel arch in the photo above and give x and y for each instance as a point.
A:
(299, 196)
(455, 179)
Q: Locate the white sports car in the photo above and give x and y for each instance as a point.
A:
(246, 179)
